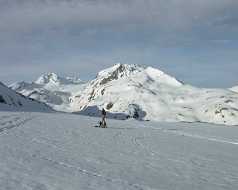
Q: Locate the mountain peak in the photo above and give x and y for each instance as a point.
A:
(48, 78)
(121, 70)
(54, 79)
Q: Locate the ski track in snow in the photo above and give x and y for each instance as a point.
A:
(8, 122)
(61, 152)
(92, 174)
(175, 132)
(180, 133)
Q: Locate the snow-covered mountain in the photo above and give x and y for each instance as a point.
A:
(140, 92)
(51, 89)
(150, 94)
(10, 100)
(120, 83)
(52, 79)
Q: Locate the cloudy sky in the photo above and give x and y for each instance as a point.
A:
(195, 41)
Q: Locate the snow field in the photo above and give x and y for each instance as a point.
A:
(62, 151)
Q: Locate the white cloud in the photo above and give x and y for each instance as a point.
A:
(27, 15)
(34, 32)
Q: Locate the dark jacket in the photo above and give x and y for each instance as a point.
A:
(104, 112)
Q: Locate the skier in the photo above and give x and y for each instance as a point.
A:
(103, 123)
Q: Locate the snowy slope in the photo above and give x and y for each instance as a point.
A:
(51, 89)
(10, 100)
(149, 94)
(62, 152)
(235, 89)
